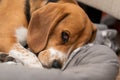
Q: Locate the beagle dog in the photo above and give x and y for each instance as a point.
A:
(56, 28)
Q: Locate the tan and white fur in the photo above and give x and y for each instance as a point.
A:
(13, 32)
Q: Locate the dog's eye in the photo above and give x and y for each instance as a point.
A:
(65, 37)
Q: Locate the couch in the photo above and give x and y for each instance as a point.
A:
(112, 7)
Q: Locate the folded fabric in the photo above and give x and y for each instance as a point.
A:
(106, 36)
(91, 62)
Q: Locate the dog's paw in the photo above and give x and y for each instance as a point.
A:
(6, 58)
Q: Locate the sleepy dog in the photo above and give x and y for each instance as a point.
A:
(56, 28)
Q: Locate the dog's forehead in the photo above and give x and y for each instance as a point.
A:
(71, 24)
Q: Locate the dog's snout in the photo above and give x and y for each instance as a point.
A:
(52, 58)
(56, 64)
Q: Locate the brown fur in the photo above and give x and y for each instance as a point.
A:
(11, 17)
(36, 4)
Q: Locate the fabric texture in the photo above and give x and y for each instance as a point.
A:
(96, 62)
(106, 37)
(111, 7)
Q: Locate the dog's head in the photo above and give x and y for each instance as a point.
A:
(55, 30)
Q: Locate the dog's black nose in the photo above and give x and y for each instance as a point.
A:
(56, 64)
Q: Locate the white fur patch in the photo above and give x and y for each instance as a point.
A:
(21, 34)
(25, 57)
(55, 53)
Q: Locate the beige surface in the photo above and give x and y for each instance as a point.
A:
(111, 7)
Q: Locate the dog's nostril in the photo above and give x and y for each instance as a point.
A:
(56, 64)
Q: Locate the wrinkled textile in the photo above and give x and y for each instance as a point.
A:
(91, 62)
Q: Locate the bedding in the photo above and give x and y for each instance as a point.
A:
(91, 62)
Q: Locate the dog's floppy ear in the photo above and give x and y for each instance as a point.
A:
(36, 4)
(42, 23)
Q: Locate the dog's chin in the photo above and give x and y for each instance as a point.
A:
(52, 58)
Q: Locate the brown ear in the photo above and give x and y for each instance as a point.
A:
(42, 23)
(36, 4)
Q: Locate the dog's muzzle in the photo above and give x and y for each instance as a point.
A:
(52, 58)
